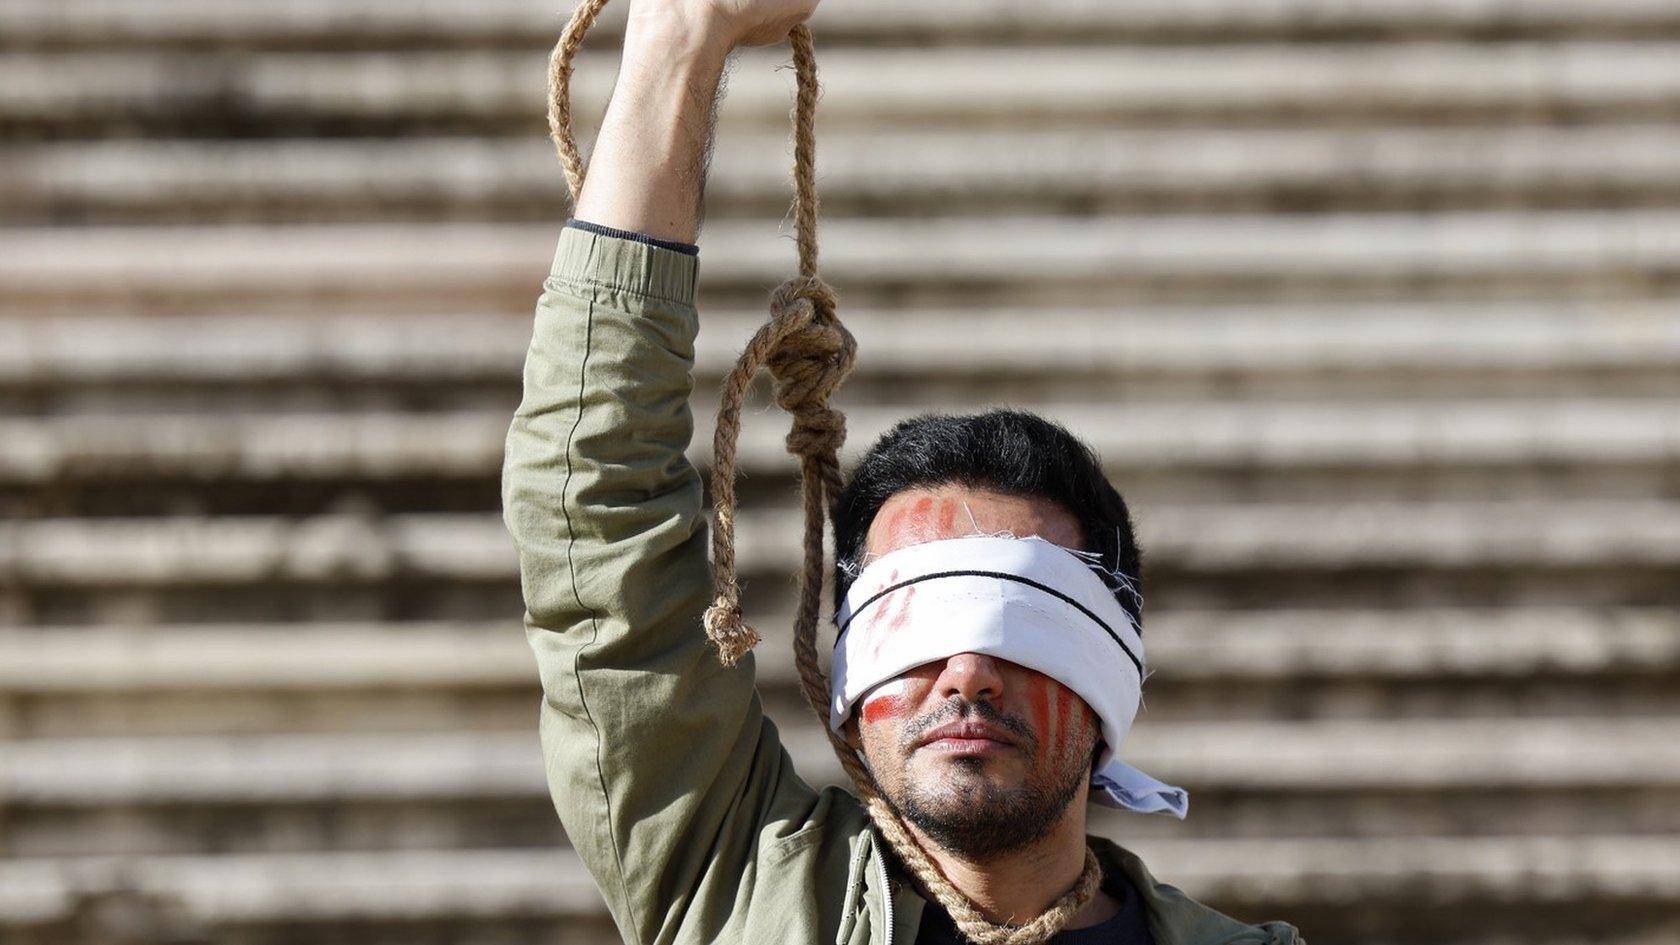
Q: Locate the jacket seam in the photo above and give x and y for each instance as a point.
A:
(801, 839)
(594, 620)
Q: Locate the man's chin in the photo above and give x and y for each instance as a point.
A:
(974, 816)
(933, 773)
(964, 787)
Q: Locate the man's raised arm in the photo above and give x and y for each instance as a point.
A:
(659, 761)
(648, 168)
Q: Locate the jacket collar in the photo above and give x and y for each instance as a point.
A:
(1174, 918)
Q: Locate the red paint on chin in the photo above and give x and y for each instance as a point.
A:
(883, 707)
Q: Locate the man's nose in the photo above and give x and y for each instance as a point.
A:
(974, 676)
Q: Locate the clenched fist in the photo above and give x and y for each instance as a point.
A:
(732, 22)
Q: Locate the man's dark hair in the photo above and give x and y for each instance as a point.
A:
(1002, 450)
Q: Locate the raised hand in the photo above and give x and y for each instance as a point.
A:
(731, 22)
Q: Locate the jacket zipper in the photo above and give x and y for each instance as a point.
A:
(886, 890)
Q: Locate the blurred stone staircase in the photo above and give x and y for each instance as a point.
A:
(1372, 308)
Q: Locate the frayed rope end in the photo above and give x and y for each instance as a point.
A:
(725, 628)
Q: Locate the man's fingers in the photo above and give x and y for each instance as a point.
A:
(768, 21)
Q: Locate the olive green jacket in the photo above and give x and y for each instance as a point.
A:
(671, 783)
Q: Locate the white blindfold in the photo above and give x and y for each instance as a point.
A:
(1025, 600)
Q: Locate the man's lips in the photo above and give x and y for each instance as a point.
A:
(969, 736)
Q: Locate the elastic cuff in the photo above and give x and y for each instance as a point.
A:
(616, 263)
(689, 248)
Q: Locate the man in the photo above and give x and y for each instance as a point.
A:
(672, 785)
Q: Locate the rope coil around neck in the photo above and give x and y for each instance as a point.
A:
(808, 353)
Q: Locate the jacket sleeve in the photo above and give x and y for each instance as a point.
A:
(661, 764)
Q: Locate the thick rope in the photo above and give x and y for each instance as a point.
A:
(808, 353)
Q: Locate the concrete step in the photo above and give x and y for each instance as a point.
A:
(308, 792)
(1220, 538)
(60, 682)
(90, 362)
(971, 171)
(1162, 440)
(314, 657)
(1459, 890)
(453, 566)
(126, 465)
(1225, 754)
(249, 679)
(1270, 646)
(1006, 261)
(289, 94)
(524, 894)
(181, 23)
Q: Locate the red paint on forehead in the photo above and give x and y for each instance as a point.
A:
(947, 515)
(916, 516)
(906, 523)
(895, 519)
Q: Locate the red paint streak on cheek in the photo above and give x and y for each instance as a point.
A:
(1090, 732)
(883, 707)
(1038, 700)
(1064, 711)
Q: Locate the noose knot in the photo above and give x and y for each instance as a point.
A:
(812, 354)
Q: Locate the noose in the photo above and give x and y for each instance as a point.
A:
(809, 353)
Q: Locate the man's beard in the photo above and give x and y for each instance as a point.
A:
(979, 820)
